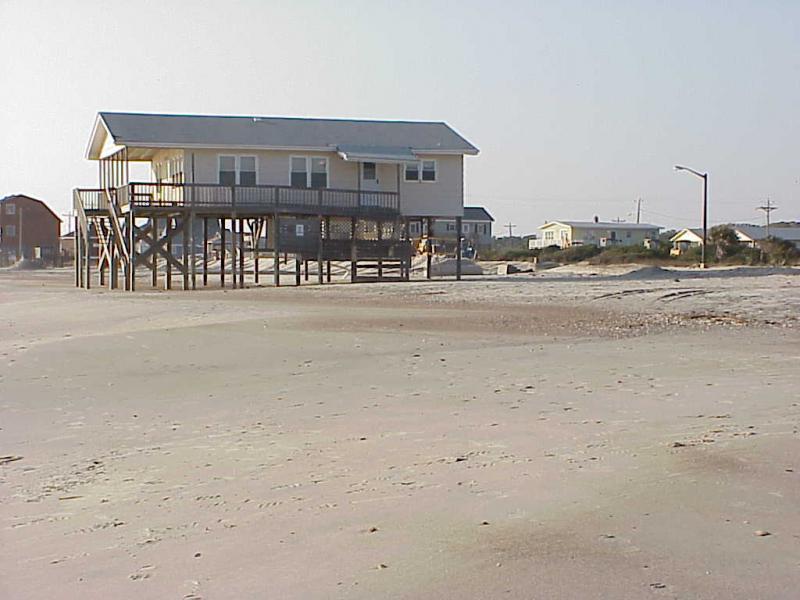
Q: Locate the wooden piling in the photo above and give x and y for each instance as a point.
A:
(276, 252)
(222, 254)
(234, 279)
(241, 253)
(205, 251)
(154, 255)
(320, 233)
(458, 248)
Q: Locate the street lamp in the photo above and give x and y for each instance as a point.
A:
(704, 177)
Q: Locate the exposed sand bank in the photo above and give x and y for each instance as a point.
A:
(538, 436)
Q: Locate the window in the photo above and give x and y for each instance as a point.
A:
(369, 171)
(10, 231)
(300, 230)
(465, 228)
(428, 170)
(319, 172)
(548, 235)
(11, 209)
(412, 171)
(451, 227)
(309, 171)
(227, 170)
(413, 228)
(628, 234)
(299, 173)
(423, 170)
(237, 170)
(247, 170)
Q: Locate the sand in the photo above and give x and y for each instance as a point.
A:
(535, 436)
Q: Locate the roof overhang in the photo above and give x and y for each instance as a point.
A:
(101, 141)
(376, 154)
(551, 223)
(686, 235)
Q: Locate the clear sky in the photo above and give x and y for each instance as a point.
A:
(579, 108)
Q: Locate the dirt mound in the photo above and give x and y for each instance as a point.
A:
(652, 272)
(447, 266)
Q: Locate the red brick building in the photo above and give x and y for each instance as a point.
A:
(29, 229)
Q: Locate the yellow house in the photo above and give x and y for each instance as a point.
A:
(596, 233)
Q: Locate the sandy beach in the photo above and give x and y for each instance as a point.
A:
(580, 433)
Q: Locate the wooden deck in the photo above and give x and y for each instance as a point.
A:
(164, 228)
(220, 200)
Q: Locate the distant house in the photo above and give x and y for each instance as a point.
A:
(29, 229)
(685, 239)
(595, 233)
(476, 228)
(66, 246)
(749, 235)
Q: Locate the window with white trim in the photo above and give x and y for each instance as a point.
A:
(236, 170)
(414, 228)
(420, 170)
(11, 209)
(428, 170)
(309, 171)
(548, 236)
(247, 170)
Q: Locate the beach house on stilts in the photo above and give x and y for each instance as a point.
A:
(318, 190)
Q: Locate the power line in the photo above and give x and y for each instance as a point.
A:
(767, 208)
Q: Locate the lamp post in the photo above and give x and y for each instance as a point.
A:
(704, 177)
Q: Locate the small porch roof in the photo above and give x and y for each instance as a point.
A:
(376, 154)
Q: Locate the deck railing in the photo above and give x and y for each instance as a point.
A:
(201, 196)
(89, 199)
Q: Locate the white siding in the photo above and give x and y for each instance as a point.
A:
(442, 198)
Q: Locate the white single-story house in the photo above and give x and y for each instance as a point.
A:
(685, 239)
(596, 233)
(748, 235)
(752, 234)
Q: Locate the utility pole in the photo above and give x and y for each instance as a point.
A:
(638, 210)
(510, 226)
(767, 208)
(618, 220)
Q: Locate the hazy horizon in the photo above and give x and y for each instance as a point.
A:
(578, 109)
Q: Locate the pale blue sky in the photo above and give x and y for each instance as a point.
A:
(578, 107)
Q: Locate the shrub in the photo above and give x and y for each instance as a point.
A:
(629, 254)
(779, 252)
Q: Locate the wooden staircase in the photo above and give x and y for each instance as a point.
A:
(100, 240)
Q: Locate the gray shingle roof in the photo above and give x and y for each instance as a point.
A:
(603, 225)
(758, 232)
(477, 213)
(137, 129)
